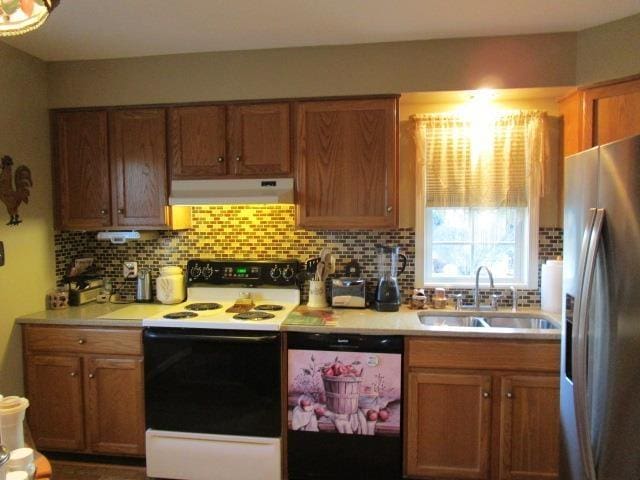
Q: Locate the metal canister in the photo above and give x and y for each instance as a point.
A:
(143, 288)
(4, 462)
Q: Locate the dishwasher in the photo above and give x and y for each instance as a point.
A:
(344, 406)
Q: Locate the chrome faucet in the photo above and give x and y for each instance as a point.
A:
(476, 293)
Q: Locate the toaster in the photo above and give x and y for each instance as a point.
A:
(348, 292)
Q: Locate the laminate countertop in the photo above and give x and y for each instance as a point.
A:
(362, 321)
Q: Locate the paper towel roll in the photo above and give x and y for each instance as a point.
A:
(551, 286)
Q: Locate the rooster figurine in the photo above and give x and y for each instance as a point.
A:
(10, 197)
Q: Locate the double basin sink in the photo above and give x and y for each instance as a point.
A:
(486, 320)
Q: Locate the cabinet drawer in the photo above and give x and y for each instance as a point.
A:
(124, 341)
(484, 354)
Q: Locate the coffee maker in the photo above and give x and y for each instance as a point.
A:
(388, 291)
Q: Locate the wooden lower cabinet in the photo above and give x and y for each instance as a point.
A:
(115, 406)
(529, 430)
(85, 402)
(54, 386)
(449, 420)
(485, 423)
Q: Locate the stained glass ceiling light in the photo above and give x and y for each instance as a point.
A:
(22, 16)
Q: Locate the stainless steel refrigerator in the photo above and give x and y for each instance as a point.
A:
(600, 375)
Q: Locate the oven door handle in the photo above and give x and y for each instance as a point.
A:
(210, 338)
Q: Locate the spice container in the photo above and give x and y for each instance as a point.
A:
(439, 299)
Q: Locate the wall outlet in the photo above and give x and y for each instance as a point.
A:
(129, 270)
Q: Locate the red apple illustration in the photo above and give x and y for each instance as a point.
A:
(372, 415)
(384, 414)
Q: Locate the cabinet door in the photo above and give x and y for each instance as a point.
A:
(54, 389)
(197, 138)
(529, 427)
(346, 163)
(115, 405)
(259, 139)
(81, 169)
(138, 156)
(448, 425)
(612, 112)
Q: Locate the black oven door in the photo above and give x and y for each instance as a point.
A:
(212, 381)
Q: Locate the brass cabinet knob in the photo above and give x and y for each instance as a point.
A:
(220, 159)
(238, 158)
(485, 394)
(389, 209)
(73, 374)
(81, 341)
(91, 375)
(509, 395)
(121, 210)
(103, 211)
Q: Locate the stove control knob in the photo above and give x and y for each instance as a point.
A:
(287, 272)
(207, 271)
(275, 272)
(196, 271)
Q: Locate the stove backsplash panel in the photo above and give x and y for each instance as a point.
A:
(260, 232)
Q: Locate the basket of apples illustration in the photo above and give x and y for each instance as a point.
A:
(342, 386)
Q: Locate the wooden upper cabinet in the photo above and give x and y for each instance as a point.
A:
(139, 162)
(529, 432)
(82, 170)
(259, 139)
(55, 413)
(115, 405)
(347, 163)
(600, 114)
(197, 137)
(448, 425)
(614, 110)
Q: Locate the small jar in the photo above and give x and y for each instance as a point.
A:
(21, 460)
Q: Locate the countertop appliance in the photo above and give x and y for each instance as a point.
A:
(388, 291)
(344, 406)
(348, 292)
(143, 286)
(600, 374)
(212, 377)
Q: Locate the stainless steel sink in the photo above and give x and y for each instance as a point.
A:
(451, 321)
(520, 322)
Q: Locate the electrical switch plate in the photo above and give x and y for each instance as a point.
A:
(130, 270)
(1, 254)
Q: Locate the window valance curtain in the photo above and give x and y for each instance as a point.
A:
(486, 161)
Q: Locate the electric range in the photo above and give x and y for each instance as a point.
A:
(213, 376)
(214, 287)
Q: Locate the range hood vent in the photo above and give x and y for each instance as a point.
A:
(232, 191)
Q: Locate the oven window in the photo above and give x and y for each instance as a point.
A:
(219, 382)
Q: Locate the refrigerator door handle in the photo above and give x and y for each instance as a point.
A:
(582, 261)
(581, 352)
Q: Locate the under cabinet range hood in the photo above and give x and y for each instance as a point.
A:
(232, 191)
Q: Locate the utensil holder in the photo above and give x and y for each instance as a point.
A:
(317, 294)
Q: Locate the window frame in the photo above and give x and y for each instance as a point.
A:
(528, 279)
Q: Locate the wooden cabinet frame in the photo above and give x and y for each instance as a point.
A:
(511, 367)
(86, 388)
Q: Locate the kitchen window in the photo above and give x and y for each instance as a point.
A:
(479, 185)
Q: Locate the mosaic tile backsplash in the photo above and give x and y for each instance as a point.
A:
(261, 232)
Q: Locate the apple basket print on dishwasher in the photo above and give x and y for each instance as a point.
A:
(345, 392)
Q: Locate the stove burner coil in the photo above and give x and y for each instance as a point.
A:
(270, 307)
(253, 316)
(198, 307)
(179, 315)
